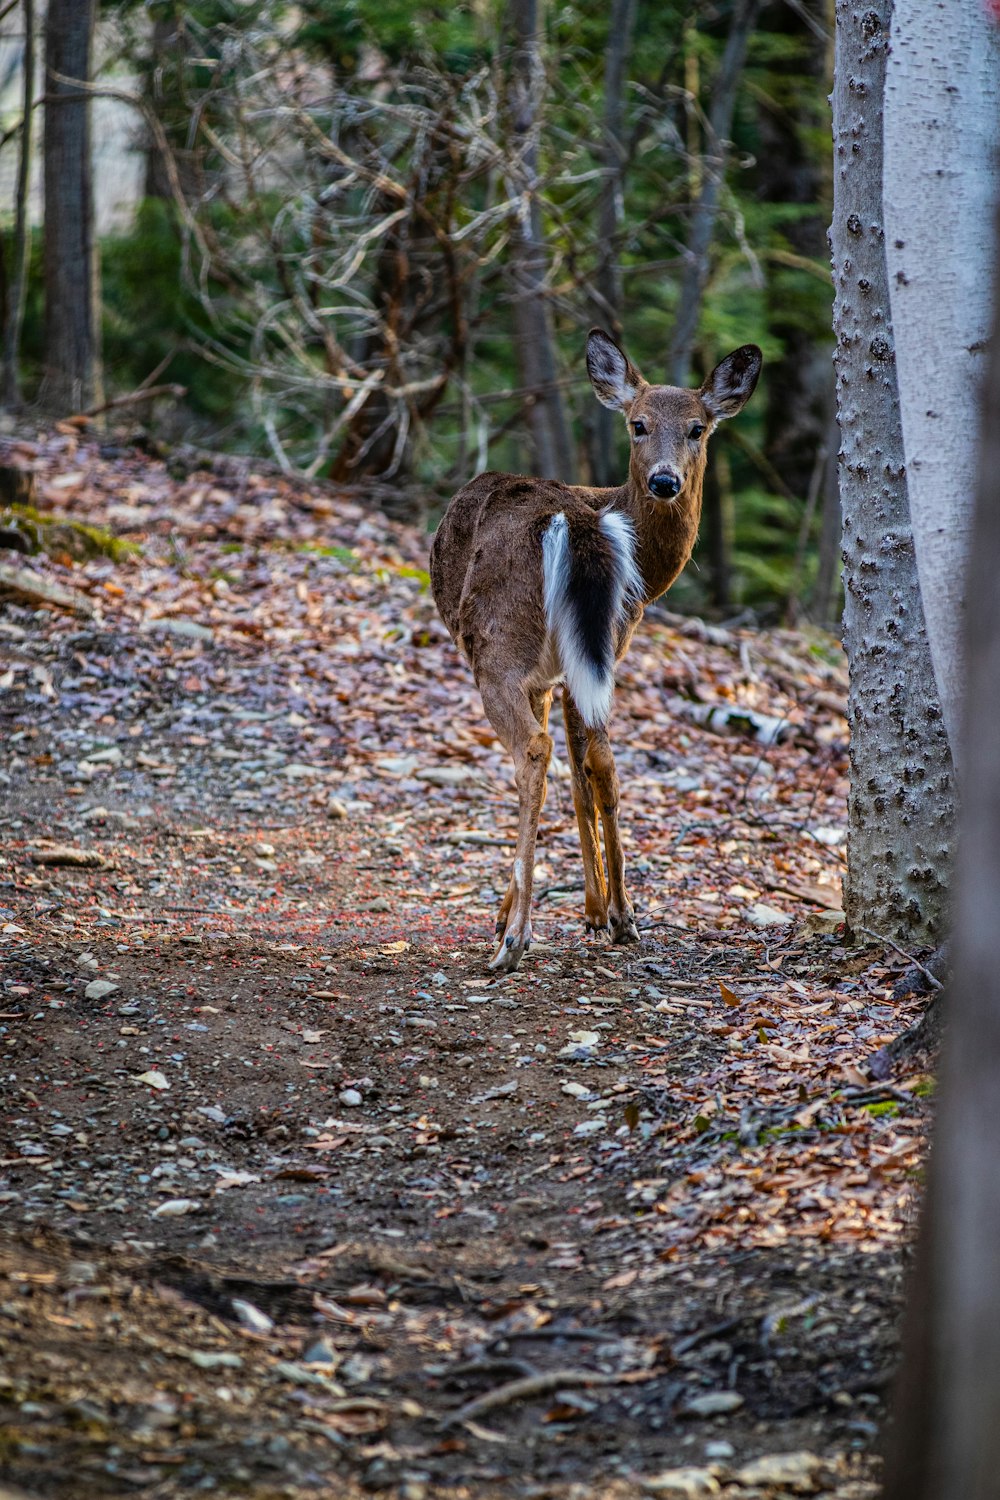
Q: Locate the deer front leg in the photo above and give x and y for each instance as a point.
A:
(595, 899)
(531, 764)
(600, 763)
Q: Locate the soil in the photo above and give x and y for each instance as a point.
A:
(294, 1194)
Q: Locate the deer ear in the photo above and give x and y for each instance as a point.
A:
(615, 379)
(731, 384)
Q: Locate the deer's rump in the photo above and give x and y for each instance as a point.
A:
(532, 578)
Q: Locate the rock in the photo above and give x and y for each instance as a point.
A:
(97, 989)
(175, 1208)
(682, 1484)
(335, 809)
(251, 1317)
(762, 915)
(209, 1359)
(796, 1471)
(712, 1404)
(320, 1352)
(577, 1090)
(350, 1098)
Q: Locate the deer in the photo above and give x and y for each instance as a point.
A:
(542, 583)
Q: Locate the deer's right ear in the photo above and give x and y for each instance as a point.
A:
(615, 379)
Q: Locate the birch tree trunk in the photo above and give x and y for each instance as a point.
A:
(945, 1441)
(942, 133)
(901, 808)
(553, 454)
(72, 310)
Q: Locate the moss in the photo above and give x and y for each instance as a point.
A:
(61, 534)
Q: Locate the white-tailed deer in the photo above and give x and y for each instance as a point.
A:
(540, 583)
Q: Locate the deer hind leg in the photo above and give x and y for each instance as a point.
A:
(600, 764)
(541, 703)
(595, 901)
(520, 730)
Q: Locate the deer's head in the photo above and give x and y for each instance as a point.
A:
(669, 426)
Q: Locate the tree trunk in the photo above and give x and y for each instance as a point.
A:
(72, 315)
(552, 446)
(696, 262)
(945, 1441)
(942, 134)
(607, 299)
(14, 312)
(901, 807)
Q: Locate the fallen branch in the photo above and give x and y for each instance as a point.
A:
(33, 589)
(935, 984)
(133, 398)
(524, 1389)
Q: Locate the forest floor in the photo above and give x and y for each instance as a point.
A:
(295, 1198)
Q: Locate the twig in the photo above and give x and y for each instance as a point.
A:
(523, 1390)
(934, 983)
(143, 393)
(589, 1335)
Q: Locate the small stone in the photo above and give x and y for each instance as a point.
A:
(175, 1208)
(762, 915)
(713, 1404)
(251, 1317)
(797, 1471)
(97, 989)
(350, 1098)
(320, 1352)
(335, 809)
(682, 1484)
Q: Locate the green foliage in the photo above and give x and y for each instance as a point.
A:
(271, 346)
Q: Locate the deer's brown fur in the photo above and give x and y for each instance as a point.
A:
(536, 579)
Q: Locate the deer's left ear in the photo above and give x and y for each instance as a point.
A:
(731, 384)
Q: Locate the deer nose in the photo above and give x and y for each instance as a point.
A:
(664, 484)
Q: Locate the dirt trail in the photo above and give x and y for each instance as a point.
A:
(294, 1198)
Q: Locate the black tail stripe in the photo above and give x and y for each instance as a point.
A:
(591, 594)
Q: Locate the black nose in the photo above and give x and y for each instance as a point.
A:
(664, 485)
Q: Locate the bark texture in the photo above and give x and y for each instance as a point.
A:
(945, 1444)
(901, 809)
(553, 455)
(72, 315)
(942, 133)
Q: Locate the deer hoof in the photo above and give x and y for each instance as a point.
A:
(511, 950)
(623, 929)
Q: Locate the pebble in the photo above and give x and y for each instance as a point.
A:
(712, 1404)
(350, 1098)
(251, 1317)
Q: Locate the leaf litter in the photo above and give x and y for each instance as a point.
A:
(293, 1195)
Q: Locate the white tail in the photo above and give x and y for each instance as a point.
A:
(541, 583)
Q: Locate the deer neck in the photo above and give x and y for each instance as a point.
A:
(666, 531)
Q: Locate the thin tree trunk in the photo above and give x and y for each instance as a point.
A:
(942, 134)
(790, 170)
(945, 1440)
(608, 279)
(901, 806)
(553, 456)
(22, 236)
(72, 321)
(696, 263)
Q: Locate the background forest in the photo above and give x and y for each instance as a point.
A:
(370, 238)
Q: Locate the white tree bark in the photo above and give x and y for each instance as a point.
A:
(901, 808)
(942, 135)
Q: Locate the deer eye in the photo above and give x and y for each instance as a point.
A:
(640, 429)
(696, 430)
